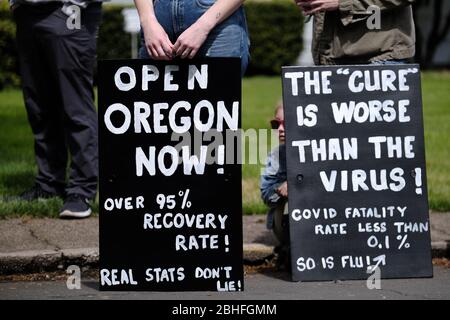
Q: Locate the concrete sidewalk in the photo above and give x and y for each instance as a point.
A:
(31, 245)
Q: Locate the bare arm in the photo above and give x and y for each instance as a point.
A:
(190, 41)
(157, 42)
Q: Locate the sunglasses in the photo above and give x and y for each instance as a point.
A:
(275, 123)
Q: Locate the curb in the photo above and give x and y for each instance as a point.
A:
(46, 260)
(440, 249)
(257, 253)
(36, 261)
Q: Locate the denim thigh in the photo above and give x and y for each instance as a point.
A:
(228, 39)
(163, 12)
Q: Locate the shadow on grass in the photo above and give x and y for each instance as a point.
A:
(39, 208)
(17, 181)
(43, 208)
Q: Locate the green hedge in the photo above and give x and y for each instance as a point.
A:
(275, 34)
(113, 42)
(276, 30)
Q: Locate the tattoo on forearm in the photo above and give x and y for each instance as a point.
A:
(218, 15)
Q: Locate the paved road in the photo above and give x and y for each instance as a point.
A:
(266, 285)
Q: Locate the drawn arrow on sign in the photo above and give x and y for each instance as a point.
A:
(379, 260)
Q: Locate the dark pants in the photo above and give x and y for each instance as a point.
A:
(57, 76)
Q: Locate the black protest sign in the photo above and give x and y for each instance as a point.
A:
(170, 203)
(356, 172)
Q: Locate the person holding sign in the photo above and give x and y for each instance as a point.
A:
(185, 29)
(361, 31)
(274, 192)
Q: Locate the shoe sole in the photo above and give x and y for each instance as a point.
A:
(67, 214)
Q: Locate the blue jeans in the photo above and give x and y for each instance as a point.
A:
(228, 39)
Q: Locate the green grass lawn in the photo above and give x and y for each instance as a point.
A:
(260, 94)
(436, 102)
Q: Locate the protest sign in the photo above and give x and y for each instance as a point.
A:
(356, 172)
(170, 198)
